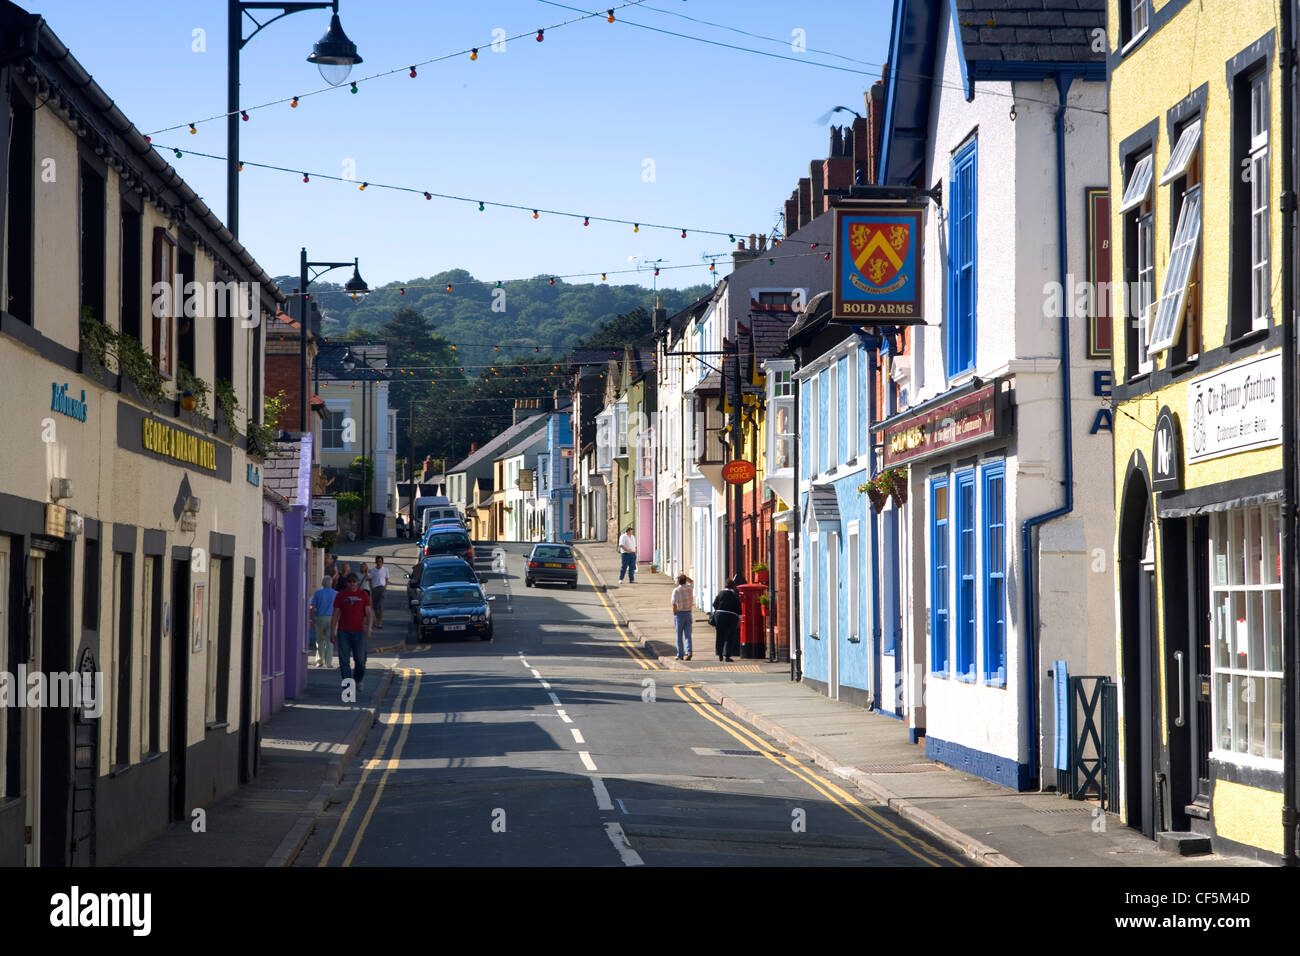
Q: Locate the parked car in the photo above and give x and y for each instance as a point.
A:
(440, 569)
(448, 539)
(552, 562)
(453, 608)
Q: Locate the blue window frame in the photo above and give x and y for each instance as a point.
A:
(964, 540)
(993, 522)
(939, 577)
(961, 262)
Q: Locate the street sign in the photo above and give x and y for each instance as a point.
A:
(738, 472)
(878, 264)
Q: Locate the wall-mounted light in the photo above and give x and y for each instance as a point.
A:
(60, 489)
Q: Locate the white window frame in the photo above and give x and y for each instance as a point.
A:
(1260, 237)
(833, 417)
(1146, 248)
(1182, 261)
(854, 569)
(343, 408)
(814, 422)
(1238, 573)
(852, 406)
(814, 587)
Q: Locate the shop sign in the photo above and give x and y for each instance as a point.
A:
(325, 514)
(65, 404)
(525, 481)
(1235, 409)
(738, 472)
(878, 265)
(955, 424)
(140, 432)
(1166, 454)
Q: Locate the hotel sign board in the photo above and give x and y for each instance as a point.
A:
(954, 424)
(878, 264)
(1235, 409)
(144, 434)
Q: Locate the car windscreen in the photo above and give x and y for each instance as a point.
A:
(552, 554)
(446, 541)
(437, 574)
(435, 596)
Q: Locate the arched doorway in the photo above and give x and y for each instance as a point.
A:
(1138, 631)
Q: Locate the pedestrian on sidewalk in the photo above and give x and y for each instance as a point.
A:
(726, 618)
(378, 585)
(627, 551)
(683, 602)
(350, 629)
(341, 576)
(364, 575)
(320, 612)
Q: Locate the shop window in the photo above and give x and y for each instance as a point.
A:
(939, 577)
(961, 263)
(964, 539)
(993, 524)
(1247, 629)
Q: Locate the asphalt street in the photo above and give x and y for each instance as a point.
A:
(561, 743)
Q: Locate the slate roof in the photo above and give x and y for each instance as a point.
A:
(817, 310)
(1025, 31)
(677, 323)
(329, 361)
(520, 447)
(768, 331)
(490, 451)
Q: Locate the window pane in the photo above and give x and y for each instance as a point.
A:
(1273, 689)
(1273, 630)
(1254, 547)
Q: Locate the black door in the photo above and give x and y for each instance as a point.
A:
(1136, 571)
(1182, 595)
(180, 700)
(1198, 693)
(246, 768)
(56, 722)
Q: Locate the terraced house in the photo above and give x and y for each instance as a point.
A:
(1198, 107)
(130, 517)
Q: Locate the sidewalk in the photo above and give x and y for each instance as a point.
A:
(989, 824)
(645, 609)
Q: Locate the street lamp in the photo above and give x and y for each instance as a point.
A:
(356, 286)
(334, 54)
(370, 373)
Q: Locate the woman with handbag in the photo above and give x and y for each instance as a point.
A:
(726, 618)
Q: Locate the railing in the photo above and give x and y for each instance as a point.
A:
(1093, 734)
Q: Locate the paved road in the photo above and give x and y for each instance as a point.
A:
(561, 743)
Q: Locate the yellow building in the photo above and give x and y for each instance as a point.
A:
(1196, 306)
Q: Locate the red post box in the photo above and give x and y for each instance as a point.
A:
(752, 643)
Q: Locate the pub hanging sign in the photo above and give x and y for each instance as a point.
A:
(878, 265)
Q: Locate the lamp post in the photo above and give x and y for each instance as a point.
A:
(356, 286)
(370, 374)
(334, 54)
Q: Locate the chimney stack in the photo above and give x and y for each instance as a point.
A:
(742, 254)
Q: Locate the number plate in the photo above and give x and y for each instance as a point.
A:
(552, 564)
(453, 627)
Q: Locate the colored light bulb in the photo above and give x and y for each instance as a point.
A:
(610, 18)
(586, 221)
(683, 233)
(412, 72)
(363, 186)
(480, 207)
(294, 102)
(306, 178)
(473, 54)
(354, 86)
(534, 213)
(636, 227)
(541, 35)
(428, 195)
(178, 154)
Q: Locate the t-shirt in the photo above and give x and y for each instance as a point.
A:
(351, 606)
(627, 543)
(323, 601)
(683, 597)
(379, 577)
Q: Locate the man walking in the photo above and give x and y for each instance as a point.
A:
(683, 601)
(320, 615)
(627, 549)
(378, 584)
(351, 627)
(726, 614)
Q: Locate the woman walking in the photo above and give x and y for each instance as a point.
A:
(683, 601)
(726, 616)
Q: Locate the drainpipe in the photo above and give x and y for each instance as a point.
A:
(1063, 82)
(796, 610)
(1291, 671)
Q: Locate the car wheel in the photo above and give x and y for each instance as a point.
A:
(573, 586)
(528, 582)
(488, 635)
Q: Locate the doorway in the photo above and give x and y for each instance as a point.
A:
(1136, 570)
(178, 716)
(246, 762)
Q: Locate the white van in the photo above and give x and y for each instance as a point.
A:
(439, 513)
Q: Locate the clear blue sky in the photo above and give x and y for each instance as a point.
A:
(565, 124)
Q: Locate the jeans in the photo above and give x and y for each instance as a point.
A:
(352, 644)
(628, 566)
(683, 621)
(377, 603)
(728, 636)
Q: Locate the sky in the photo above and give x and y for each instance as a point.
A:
(598, 119)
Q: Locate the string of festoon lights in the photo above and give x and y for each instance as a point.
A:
(483, 204)
(411, 70)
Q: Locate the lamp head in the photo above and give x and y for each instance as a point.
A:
(334, 54)
(356, 286)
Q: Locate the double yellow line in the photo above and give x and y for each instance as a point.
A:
(850, 804)
(634, 650)
(402, 711)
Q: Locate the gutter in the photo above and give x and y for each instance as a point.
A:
(1030, 625)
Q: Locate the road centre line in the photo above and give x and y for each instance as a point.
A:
(554, 700)
(587, 761)
(577, 735)
(535, 673)
(546, 685)
(365, 773)
(629, 856)
(633, 649)
(845, 801)
(563, 716)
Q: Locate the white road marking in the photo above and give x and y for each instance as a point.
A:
(535, 674)
(546, 684)
(587, 761)
(554, 700)
(629, 856)
(602, 794)
(522, 661)
(577, 735)
(564, 717)
(621, 807)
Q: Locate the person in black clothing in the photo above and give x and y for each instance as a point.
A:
(726, 615)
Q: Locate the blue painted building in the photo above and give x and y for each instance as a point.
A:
(555, 474)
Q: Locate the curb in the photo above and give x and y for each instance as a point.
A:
(969, 847)
(591, 567)
(296, 838)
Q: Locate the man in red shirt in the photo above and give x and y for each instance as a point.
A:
(350, 627)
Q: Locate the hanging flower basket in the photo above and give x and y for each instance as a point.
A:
(890, 483)
(759, 571)
(877, 498)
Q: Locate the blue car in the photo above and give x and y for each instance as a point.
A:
(453, 608)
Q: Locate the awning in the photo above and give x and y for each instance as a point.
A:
(1209, 507)
(823, 511)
